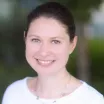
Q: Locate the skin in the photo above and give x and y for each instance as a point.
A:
(48, 47)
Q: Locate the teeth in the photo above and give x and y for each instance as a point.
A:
(45, 62)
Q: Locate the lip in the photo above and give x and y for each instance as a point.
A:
(45, 63)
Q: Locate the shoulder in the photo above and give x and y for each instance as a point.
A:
(19, 84)
(14, 90)
(90, 90)
(91, 94)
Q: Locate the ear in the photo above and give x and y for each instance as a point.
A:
(73, 44)
(24, 34)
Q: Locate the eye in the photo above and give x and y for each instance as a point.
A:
(35, 40)
(56, 41)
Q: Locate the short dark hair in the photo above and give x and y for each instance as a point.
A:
(56, 11)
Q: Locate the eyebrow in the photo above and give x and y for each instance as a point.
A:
(50, 37)
(57, 37)
(33, 35)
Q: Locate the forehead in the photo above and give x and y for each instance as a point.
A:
(47, 26)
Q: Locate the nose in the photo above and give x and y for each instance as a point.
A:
(44, 49)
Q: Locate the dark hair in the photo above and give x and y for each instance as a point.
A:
(54, 10)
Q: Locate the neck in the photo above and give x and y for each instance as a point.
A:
(52, 86)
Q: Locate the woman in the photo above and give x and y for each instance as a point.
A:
(50, 39)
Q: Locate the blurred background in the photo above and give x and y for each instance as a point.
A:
(87, 61)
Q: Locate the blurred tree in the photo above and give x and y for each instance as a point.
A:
(82, 11)
(11, 30)
(5, 15)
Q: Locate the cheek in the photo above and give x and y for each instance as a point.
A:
(63, 53)
(29, 53)
(30, 49)
(63, 50)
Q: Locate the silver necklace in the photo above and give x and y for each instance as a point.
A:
(53, 102)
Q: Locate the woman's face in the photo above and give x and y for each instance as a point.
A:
(48, 45)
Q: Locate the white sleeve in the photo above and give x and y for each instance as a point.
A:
(8, 96)
(13, 93)
(100, 100)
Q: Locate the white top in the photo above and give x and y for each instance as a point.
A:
(18, 93)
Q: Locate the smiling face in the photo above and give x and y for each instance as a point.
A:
(48, 45)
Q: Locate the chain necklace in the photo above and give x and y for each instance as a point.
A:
(53, 102)
(63, 93)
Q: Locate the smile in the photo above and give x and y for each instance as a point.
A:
(45, 62)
